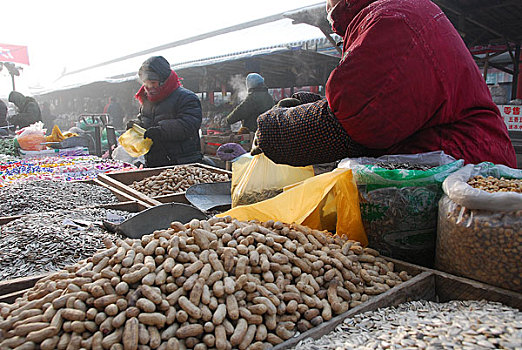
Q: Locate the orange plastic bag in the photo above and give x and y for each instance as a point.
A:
(328, 201)
(257, 178)
(31, 137)
(133, 142)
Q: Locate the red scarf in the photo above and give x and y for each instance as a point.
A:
(168, 87)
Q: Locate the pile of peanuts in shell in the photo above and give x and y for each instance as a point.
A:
(212, 284)
(492, 184)
(177, 180)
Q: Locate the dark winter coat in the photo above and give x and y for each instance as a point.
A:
(257, 102)
(407, 83)
(28, 110)
(179, 119)
(116, 113)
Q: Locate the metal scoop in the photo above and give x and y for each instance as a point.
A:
(156, 218)
(208, 196)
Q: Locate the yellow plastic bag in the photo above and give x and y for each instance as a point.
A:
(56, 135)
(328, 201)
(257, 178)
(133, 142)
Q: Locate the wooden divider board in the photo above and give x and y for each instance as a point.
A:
(124, 188)
(429, 285)
(121, 180)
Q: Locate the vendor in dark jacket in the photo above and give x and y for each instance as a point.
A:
(28, 110)
(3, 113)
(170, 113)
(257, 102)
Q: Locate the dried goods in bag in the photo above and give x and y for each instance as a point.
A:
(31, 137)
(479, 230)
(324, 202)
(257, 178)
(399, 196)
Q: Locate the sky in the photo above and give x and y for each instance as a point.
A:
(63, 36)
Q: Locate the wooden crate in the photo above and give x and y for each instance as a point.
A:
(122, 180)
(427, 284)
(210, 143)
(245, 140)
(123, 198)
(14, 288)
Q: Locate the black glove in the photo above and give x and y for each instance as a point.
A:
(255, 146)
(153, 133)
(130, 123)
(288, 102)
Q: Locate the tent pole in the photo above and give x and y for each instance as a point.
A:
(516, 90)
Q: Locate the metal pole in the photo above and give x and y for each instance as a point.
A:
(516, 74)
(13, 81)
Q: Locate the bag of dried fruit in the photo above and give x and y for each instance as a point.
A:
(480, 225)
(399, 196)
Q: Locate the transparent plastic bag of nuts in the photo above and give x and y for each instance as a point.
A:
(479, 233)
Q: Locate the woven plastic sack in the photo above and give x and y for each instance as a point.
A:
(31, 137)
(399, 207)
(257, 178)
(325, 202)
(133, 142)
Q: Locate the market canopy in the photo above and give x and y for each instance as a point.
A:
(273, 42)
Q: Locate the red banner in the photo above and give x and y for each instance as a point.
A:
(14, 53)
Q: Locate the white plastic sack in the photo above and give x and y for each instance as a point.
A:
(121, 154)
(458, 190)
(435, 158)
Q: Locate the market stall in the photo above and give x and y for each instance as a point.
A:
(290, 268)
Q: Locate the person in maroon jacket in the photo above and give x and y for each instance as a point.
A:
(406, 83)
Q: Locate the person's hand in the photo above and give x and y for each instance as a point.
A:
(130, 124)
(255, 150)
(288, 102)
(153, 133)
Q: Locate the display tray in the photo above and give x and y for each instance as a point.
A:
(14, 288)
(125, 201)
(122, 180)
(427, 284)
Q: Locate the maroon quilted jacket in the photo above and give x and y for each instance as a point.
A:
(407, 84)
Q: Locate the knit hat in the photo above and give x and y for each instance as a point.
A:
(254, 80)
(155, 68)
